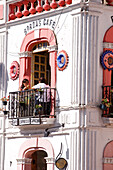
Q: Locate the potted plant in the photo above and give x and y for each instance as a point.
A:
(22, 103)
(4, 100)
(105, 104)
(38, 108)
(5, 112)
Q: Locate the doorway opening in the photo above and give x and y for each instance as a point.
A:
(40, 64)
(38, 160)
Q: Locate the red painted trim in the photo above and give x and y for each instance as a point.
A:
(108, 35)
(27, 38)
(45, 34)
(1, 11)
(32, 145)
(107, 74)
(30, 44)
(14, 70)
(25, 69)
(66, 60)
(108, 152)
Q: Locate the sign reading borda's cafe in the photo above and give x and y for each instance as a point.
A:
(40, 23)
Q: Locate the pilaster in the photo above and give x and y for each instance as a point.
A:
(85, 58)
(83, 149)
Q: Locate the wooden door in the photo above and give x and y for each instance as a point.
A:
(40, 67)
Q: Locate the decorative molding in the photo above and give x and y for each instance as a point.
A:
(107, 45)
(25, 54)
(62, 60)
(24, 161)
(52, 48)
(49, 160)
(108, 121)
(108, 160)
(14, 70)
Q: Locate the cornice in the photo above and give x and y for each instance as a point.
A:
(25, 54)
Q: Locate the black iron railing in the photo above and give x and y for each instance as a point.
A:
(107, 93)
(32, 103)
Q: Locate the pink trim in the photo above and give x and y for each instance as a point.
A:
(14, 74)
(107, 36)
(106, 73)
(25, 62)
(32, 145)
(27, 38)
(37, 8)
(45, 34)
(108, 152)
(1, 11)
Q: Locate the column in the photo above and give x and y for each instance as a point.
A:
(25, 66)
(24, 163)
(85, 58)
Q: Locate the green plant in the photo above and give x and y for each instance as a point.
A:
(38, 106)
(106, 102)
(5, 99)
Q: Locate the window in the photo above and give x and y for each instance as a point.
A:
(41, 67)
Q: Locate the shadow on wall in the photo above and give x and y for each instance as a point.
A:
(3, 78)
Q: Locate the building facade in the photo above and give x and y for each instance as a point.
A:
(70, 44)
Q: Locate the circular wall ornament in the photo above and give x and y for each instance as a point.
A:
(62, 60)
(107, 60)
(14, 70)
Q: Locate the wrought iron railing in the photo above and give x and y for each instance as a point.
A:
(32, 103)
(107, 93)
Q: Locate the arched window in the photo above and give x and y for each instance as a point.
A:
(108, 157)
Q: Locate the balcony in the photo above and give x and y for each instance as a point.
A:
(25, 8)
(107, 93)
(32, 107)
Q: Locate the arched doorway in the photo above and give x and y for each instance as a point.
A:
(30, 41)
(108, 45)
(40, 63)
(38, 161)
(108, 157)
(33, 151)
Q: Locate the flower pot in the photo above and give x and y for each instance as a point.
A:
(4, 102)
(22, 104)
(103, 107)
(5, 112)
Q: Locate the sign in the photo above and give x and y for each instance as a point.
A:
(15, 122)
(40, 23)
(35, 121)
(25, 121)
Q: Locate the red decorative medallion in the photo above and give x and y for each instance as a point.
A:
(14, 70)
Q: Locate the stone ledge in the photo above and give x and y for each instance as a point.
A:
(108, 121)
